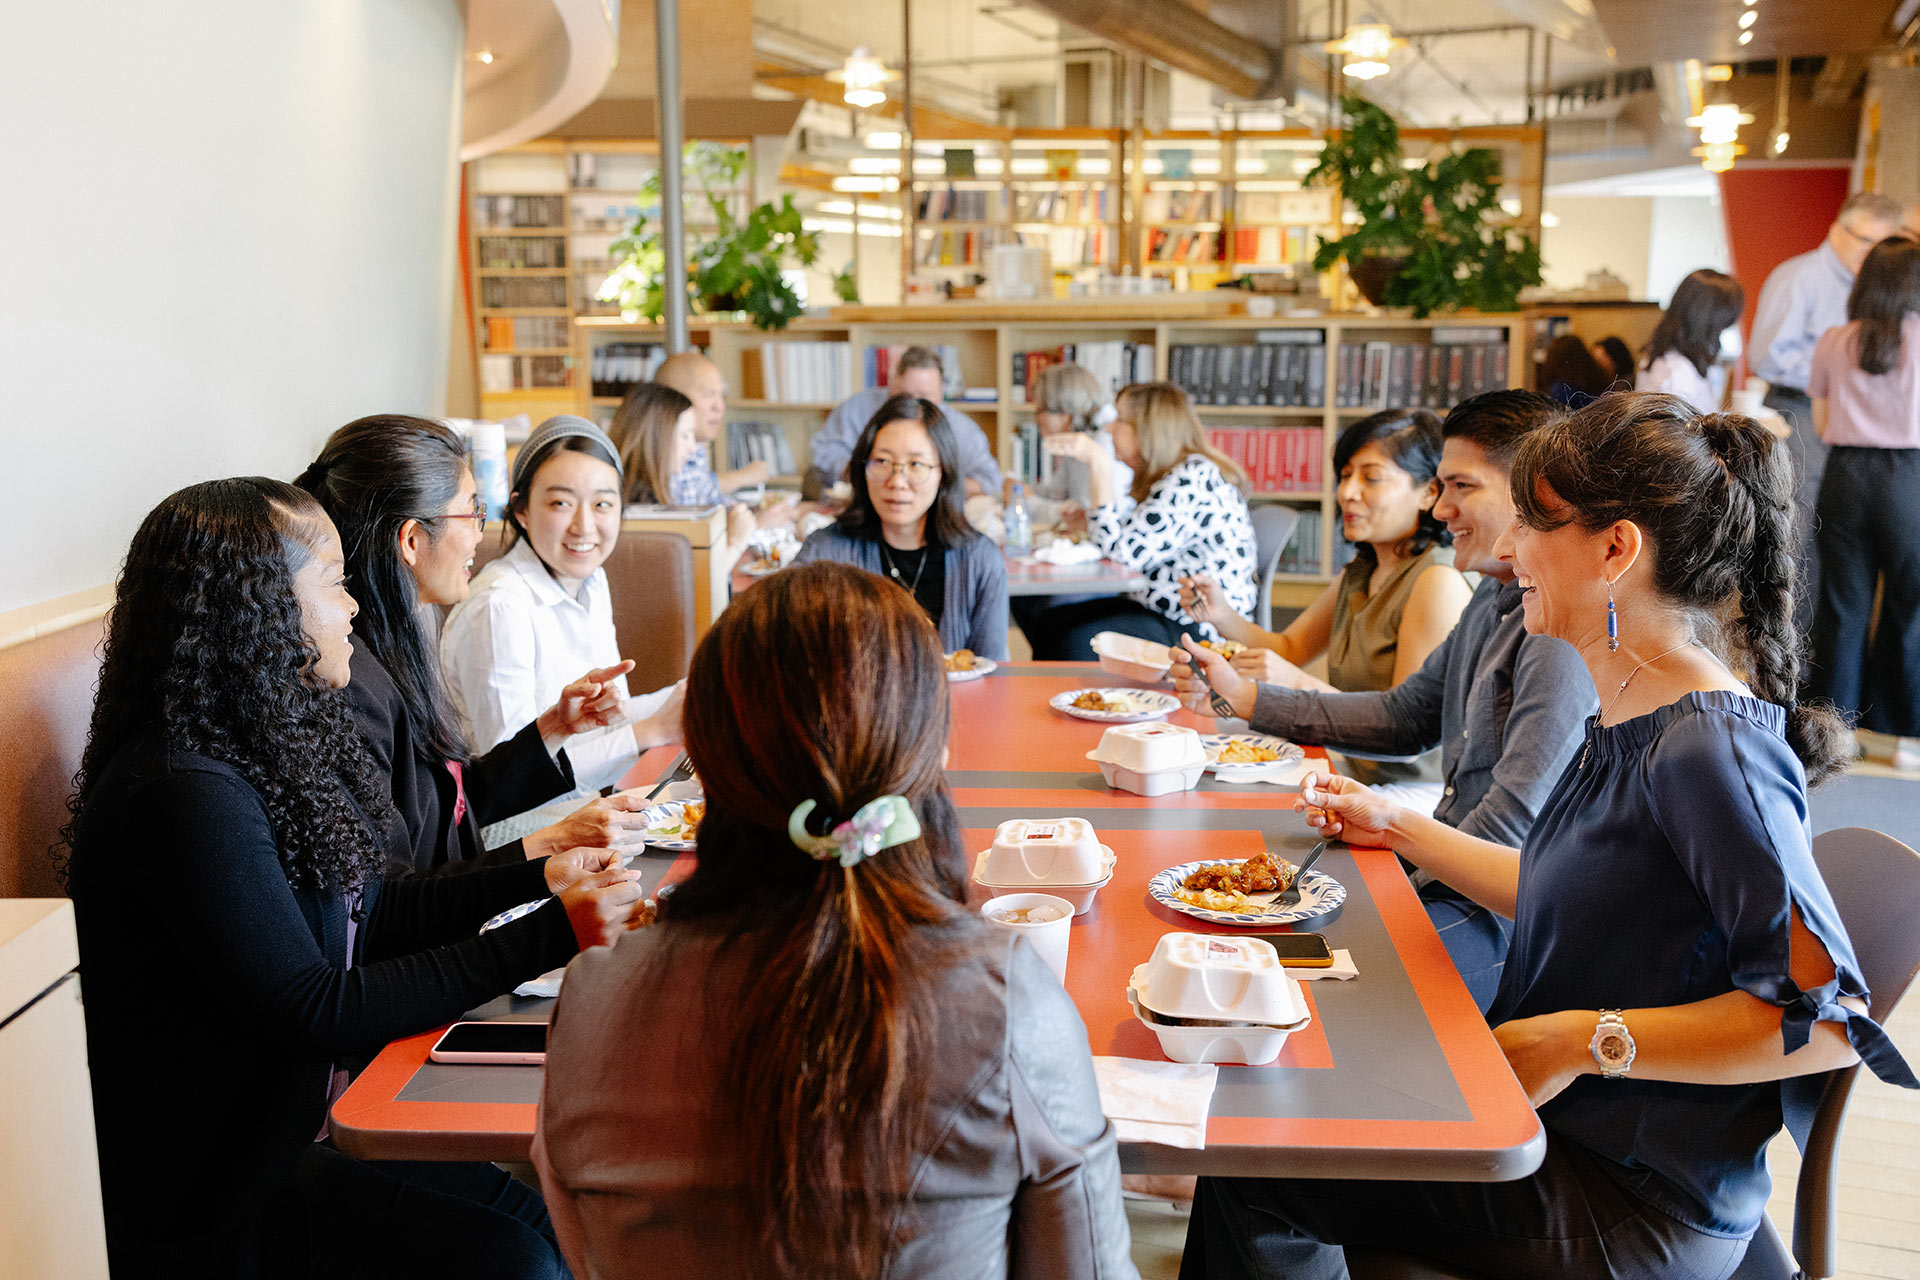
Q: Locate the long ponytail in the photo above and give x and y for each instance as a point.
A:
(1759, 533)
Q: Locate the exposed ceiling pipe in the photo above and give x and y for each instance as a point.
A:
(1182, 38)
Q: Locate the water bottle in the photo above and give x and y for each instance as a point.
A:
(488, 444)
(1019, 524)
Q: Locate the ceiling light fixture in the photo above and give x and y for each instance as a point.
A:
(864, 79)
(485, 55)
(1746, 37)
(1719, 125)
(1720, 72)
(1748, 18)
(1366, 47)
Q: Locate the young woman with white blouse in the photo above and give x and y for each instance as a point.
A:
(541, 614)
(1185, 514)
(1686, 342)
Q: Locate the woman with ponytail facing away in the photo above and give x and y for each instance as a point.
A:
(1671, 931)
(821, 1062)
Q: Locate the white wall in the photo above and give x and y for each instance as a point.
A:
(1686, 234)
(226, 227)
(1596, 232)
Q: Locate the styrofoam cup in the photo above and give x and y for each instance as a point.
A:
(1048, 937)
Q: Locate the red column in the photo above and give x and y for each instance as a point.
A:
(1772, 215)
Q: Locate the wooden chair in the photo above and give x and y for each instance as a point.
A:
(650, 576)
(1875, 883)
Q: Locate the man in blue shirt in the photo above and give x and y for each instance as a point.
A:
(1506, 709)
(1803, 298)
(695, 484)
(918, 373)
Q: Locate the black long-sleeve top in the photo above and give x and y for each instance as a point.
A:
(512, 778)
(218, 997)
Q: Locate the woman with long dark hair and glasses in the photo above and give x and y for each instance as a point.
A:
(1686, 343)
(822, 1062)
(243, 951)
(1865, 387)
(905, 524)
(400, 493)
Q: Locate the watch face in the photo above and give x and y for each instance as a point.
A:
(1613, 1047)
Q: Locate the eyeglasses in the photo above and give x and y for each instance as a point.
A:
(884, 469)
(478, 515)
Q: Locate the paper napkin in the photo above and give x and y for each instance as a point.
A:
(1164, 1102)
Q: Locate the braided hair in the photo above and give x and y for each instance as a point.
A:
(1713, 494)
(205, 641)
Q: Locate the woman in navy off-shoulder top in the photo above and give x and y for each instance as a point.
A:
(1671, 930)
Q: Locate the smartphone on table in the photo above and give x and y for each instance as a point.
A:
(1300, 950)
(498, 1043)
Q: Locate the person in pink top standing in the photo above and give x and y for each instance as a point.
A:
(1865, 388)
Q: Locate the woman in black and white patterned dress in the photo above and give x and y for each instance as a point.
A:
(1185, 515)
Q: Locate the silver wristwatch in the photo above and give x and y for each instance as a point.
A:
(1612, 1045)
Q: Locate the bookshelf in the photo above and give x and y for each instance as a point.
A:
(1277, 402)
(542, 220)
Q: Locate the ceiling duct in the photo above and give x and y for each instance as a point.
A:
(1169, 32)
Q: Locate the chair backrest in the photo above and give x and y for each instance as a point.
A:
(1273, 528)
(650, 577)
(46, 700)
(1875, 883)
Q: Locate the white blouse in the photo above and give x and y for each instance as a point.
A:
(510, 648)
(1674, 374)
(1192, 522)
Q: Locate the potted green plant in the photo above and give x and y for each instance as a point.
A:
(1429, 236)
(736, 268)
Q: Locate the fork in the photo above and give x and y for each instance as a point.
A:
(1290, 896)
(681, 771)
(1222, 709)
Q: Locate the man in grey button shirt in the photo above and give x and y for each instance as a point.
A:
(918, 373)
(1506, 709)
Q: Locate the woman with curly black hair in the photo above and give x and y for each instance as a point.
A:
(400, 493)
(241, 950)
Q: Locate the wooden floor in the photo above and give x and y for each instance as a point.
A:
(1879, 1177)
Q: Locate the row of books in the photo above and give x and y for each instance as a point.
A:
(952, 248)
(1286, 368)
(513, 373)
(1272, 246)
(1182, 206)
(614, 369)
(1302, 552)
(1031, 463)
(1115, 363)
(1183, 246)
(523, 291)
(1071, 246)
(519, 211)
(749, 442)
(1460, 362)
(878, 360)
(523, 251)
(1276, 459)
(798, 372)
(957, 204)
(508, 333)
(1072, 204)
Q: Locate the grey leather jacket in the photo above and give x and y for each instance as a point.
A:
(1022, 1180)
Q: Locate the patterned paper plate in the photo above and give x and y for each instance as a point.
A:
(667, 827)
(1137, 704)
(982, 667)
(1215, 743)
(1319, 895)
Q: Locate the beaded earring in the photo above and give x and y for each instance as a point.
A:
(1613, 623)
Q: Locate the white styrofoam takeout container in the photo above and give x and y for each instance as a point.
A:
(1253, 1045)
(1150, 747)
(1221, 977)
(1132, 657)
(1043, 851)
(1080, 895)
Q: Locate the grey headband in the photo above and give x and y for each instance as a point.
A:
(559, 427)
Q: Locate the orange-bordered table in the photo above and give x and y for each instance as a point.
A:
(1397, 1075)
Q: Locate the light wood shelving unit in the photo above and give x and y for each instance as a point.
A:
(988, 337)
